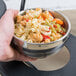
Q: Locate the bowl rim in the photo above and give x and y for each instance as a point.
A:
(54, 10)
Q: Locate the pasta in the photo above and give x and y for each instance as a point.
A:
(37, 26)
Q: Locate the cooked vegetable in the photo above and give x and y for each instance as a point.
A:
(45, 37)
(58, 21)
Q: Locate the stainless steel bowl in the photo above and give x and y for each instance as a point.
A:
(40, 50)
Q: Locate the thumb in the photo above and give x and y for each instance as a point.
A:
(15, 12)
(11, 12)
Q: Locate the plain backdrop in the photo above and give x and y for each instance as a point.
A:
(53, 4)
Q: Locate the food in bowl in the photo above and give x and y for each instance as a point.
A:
(38, 26)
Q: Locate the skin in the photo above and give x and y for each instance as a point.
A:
(7, 53)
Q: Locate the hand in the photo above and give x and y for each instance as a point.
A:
(6, 34)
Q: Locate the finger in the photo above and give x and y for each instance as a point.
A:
(25, 58)
(16, 13)
(15, 55)
(21, 57)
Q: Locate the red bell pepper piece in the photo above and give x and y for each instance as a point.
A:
(49, 29)
(63, 33)
(45, 37)
(55, 26)
(27, 20)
